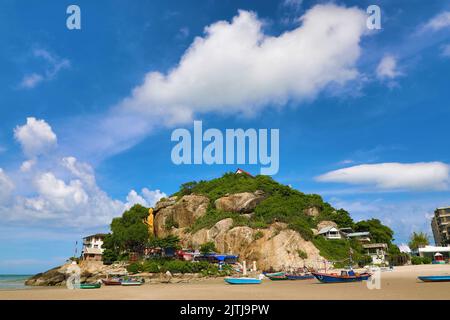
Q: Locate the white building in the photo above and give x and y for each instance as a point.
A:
(431, 251)
(331, 233)
(92, 247)
(377, 251)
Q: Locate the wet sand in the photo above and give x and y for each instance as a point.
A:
(402, 283)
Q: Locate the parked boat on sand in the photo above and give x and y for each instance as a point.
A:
(299, 277)
(112, 282)
(90, 285)
(434, 278)
(242, 280)
(345, 276)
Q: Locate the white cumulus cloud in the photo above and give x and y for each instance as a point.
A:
(147, 198)
(35, 137)
(236, 67)
(411, 176)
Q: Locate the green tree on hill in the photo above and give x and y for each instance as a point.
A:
(128, 233)
(379, 233)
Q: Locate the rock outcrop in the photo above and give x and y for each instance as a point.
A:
(312, 211)
(326, 223)
(91, 271)
(244, 202)
(179, 213)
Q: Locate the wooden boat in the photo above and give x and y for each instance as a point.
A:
(299, 277)
(132, 282)
(90, 285)
(112, 282)
(278, 277)
(345, 276)
(242, 280)
(274, 274)
(434, 278)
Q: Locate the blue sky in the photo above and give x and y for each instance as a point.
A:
(87, 115)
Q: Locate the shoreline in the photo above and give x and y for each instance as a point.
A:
(402, 283)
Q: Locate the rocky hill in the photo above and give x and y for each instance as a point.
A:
(265, 222)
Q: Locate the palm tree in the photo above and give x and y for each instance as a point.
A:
(418, 240)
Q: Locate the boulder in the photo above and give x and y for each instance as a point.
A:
(326, 223)
(165, 202)
(180, 214)
(244, 202)
(91, 271)
(312, 211)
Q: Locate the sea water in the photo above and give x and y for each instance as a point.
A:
(13, 281)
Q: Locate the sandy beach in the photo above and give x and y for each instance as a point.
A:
(402, 283)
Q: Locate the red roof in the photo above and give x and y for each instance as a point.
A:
(239, 170)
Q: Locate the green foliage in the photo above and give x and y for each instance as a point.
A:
(163, 265)
(338, 251)
(420, 260)
(302, 254)
(170, 241)
(129, 234)
(379, 233)
(208, 247)
(258, 235)
(341, 216)
(134, 267)
(417, 240)
(230, 183)
(109, 256)
(302, 226)
(170, 222)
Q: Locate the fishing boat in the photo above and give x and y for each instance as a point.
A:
(278, 277)
(345, 276)
(95, 285)
(274, 274)
(242, 280)
(112, 282)
(434, 278)
(299, 276)
(132, 282)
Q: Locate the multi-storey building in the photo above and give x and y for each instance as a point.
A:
(440, 225)
(92, 247)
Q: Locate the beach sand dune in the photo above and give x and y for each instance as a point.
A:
(402, 283)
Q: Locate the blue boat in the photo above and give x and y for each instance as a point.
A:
(345, 276)
(243, 280)
(299, 277)
(434, 278)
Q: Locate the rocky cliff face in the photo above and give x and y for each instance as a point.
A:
(178, 213)
(244, 202)
(274, 247)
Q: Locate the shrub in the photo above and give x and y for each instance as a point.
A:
(135, 267)
(301, 226)
(170, 222)
(420, 260)
(416, 260)
(426, 260)
(258, 235)
(302, 254)
(208, 247)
